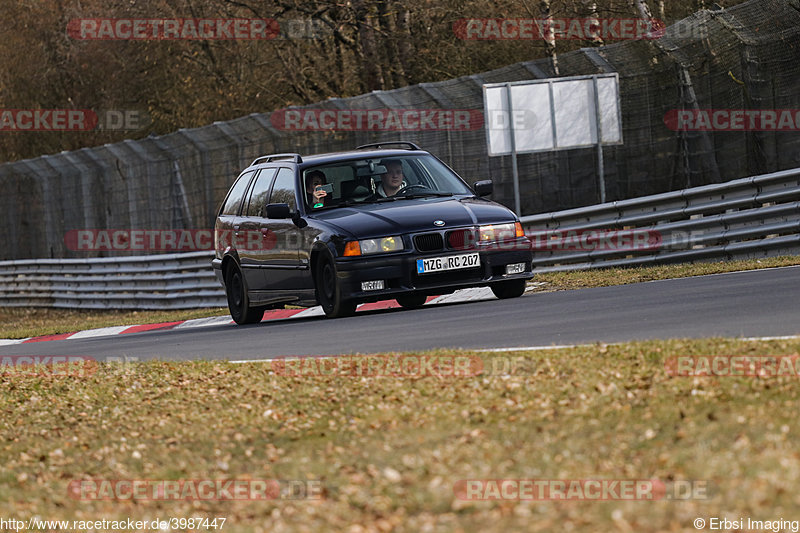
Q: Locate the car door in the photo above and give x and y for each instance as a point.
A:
(282, 258)
(229, 216)
(251, 244)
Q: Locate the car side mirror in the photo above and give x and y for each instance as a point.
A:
(484, 187)
(278, 211)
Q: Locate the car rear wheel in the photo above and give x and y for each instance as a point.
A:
(238, 302)
(329, 291)
(509, 289)
(412, 301)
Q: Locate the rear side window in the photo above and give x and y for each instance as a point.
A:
(234, 199)
(283, 190)
(260, 191)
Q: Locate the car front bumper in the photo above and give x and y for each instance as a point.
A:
(399, 273)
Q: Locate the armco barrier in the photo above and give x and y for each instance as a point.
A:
(174, 281)
(735, 58)
(750, 217)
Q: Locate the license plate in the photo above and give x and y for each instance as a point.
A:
(449, 262)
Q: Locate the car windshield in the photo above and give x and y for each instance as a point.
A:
(381, 179)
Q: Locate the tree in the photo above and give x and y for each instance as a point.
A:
(328, 48)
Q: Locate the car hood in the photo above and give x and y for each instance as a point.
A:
(413, 216)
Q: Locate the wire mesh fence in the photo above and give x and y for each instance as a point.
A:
(743, 58)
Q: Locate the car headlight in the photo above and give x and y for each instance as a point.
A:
(374, 246)
(500, 232)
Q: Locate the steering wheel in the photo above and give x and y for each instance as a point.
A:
(411, 187)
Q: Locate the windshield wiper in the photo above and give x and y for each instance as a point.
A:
(423, 194)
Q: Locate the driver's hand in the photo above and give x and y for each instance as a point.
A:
(319, 194)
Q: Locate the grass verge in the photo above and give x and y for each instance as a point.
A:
(388, 451)
(18, 323)
(621, 276)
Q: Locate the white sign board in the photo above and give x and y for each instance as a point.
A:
(552, 114)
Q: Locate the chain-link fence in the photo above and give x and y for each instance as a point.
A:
(743, 58)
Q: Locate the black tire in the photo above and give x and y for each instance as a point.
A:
(238, 302)
(412, 301)
(329, 291)
(512, 288)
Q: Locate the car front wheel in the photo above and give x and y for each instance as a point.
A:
(509, 289)
(329, 291)
(238, 302)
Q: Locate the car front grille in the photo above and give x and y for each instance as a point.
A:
(429, 242)
(461, 239)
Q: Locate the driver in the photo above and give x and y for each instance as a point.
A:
(393, 180)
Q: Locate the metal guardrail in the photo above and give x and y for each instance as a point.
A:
(750, 217)
(174, 281)
(745, 218)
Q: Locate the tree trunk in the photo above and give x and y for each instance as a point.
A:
(371, 77)
(549, 36)
(591, 7)
(404, 45)
(644, 10)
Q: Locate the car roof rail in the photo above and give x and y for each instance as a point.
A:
(269, 158)
(407, 144)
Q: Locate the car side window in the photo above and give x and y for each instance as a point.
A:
(260, 192)
(234, 199)
(283, 191)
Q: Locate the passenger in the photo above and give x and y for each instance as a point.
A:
(314, 182)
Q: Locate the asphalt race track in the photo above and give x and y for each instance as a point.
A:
(741, 304)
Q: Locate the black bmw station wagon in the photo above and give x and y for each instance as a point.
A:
(384, 221)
